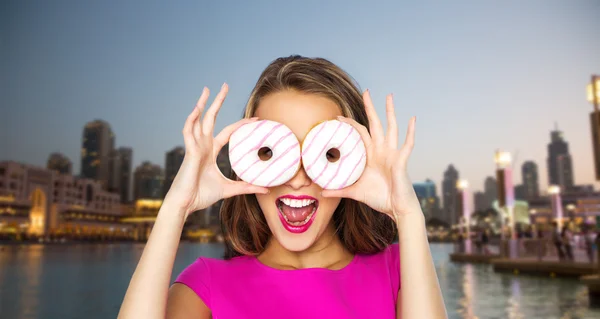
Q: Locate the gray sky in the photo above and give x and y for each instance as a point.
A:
(478, 76)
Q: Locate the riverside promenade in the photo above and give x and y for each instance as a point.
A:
(535, 257)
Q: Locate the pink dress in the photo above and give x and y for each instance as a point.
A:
(243, 287)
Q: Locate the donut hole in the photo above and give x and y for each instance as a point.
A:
(265, 153)
(333, 155)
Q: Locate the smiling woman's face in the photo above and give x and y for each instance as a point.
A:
(299, 198)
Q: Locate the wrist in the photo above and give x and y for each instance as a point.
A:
(172, 211)
(410, 214)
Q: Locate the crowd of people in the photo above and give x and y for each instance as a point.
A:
(543, 240)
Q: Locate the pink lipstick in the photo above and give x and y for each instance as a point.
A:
(296, 212)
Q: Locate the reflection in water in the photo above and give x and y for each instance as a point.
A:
(89, 281)
(513, 301)
(29, 295)
(467, 301)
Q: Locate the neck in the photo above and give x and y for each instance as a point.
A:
(327, 252)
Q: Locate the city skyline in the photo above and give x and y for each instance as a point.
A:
(515, 79)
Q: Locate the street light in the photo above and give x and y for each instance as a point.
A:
(463, 186)
(553, 189)
(503, 159)
(556, 202)
(593, 90)
(506, 195)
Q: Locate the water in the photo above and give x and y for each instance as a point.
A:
(89, 281)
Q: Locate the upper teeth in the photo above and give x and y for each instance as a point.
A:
(297, 202)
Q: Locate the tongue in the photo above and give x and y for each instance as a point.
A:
(296, 214)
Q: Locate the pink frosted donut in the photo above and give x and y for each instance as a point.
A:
(333, 155)
(264, 153)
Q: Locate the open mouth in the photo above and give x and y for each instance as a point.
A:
(297, 212)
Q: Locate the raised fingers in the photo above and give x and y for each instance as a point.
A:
(192, 122)
(374, 123)
(208, 122)
(223, 137)
(200, 105)
(392, 127)
(409, 142)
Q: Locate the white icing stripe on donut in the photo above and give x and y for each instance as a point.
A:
(295, 162)
(343, 157)
(305, 149)
(324, 145)
(259, 144)
(348, 168)
(273, 162)
(341, 163)
(247, 136)
(344, 184)
(245, 160)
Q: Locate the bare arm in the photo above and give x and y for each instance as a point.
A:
(185, 304)
(198, 184)
(420, 293)
(146, 296)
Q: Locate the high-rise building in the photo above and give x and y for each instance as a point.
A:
(529, 173)
(426, 194)
(450, 193)
(173, 160)
(114, 170)
(481, 201)
(560, 167)
(520, 192)
(96, 151)
(491, 191)
(125, 166)
(148, 181)
(60, 163)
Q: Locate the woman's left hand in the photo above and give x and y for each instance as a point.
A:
(384, 184)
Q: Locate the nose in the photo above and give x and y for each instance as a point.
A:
(299, 180)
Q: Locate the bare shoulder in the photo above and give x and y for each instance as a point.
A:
(183, 303)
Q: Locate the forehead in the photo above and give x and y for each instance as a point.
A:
(298, 111)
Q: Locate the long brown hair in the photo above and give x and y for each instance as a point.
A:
(360, 228)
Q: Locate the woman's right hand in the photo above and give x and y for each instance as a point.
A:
(199, 183)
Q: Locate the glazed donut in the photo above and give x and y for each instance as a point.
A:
(264, 153)
(333, 154)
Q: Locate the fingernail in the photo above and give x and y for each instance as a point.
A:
(223, 86)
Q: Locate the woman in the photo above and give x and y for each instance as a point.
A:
(343, 266)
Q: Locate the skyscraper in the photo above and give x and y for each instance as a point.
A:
(529, 173)
(173, 160)
(148, 181)
(125, 167)
(450, 193)
(520, 192)
(428, 199)
(114, 171)
(60, 163)
(560, 167)
(481, 202)
(96, 151)
(490, 190)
